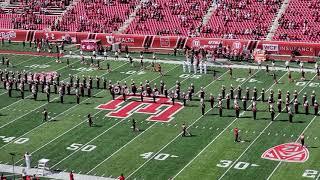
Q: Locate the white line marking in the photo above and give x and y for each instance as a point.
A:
(274, 170)
(259, 136)
(216, 137)
(180, 133)
(120, 149)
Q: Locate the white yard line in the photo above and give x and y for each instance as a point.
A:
(93, 115)
(139, 134)
(274, 170)
(218, 136)
(60, 113)
(180, 134)
(209, 64)
(31, 95)
(113, 125)
(34, 108)
(27, 70)
(258, 136)
(120, 148)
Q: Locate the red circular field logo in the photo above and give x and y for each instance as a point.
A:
(288, 152)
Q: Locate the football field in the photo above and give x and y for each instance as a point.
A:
(157, 150)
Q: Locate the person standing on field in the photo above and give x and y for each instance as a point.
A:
(27, 158)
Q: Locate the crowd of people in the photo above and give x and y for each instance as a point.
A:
(97, 16)
(306, 27)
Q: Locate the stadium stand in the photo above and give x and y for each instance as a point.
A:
(174, 17)
(244, 19)
(96, 16)
(228, 19)
(301, 22)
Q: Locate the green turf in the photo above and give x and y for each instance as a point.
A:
(119, 150)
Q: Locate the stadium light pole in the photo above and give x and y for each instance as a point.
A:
(12, 156)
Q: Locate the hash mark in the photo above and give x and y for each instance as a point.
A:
(196, 126)
(103, 175)
(268, 133)
(176, 125)
(254, 132)
(210, 128)
(79, 172)
(284, 134)
(308, 137)
(315, 137)
(291, 135)
(217, 128)
(246, 132)
(203, 127)
(276, 134)
(65, 170)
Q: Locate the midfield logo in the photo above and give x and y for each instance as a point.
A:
(162, 110)
(289, 152)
